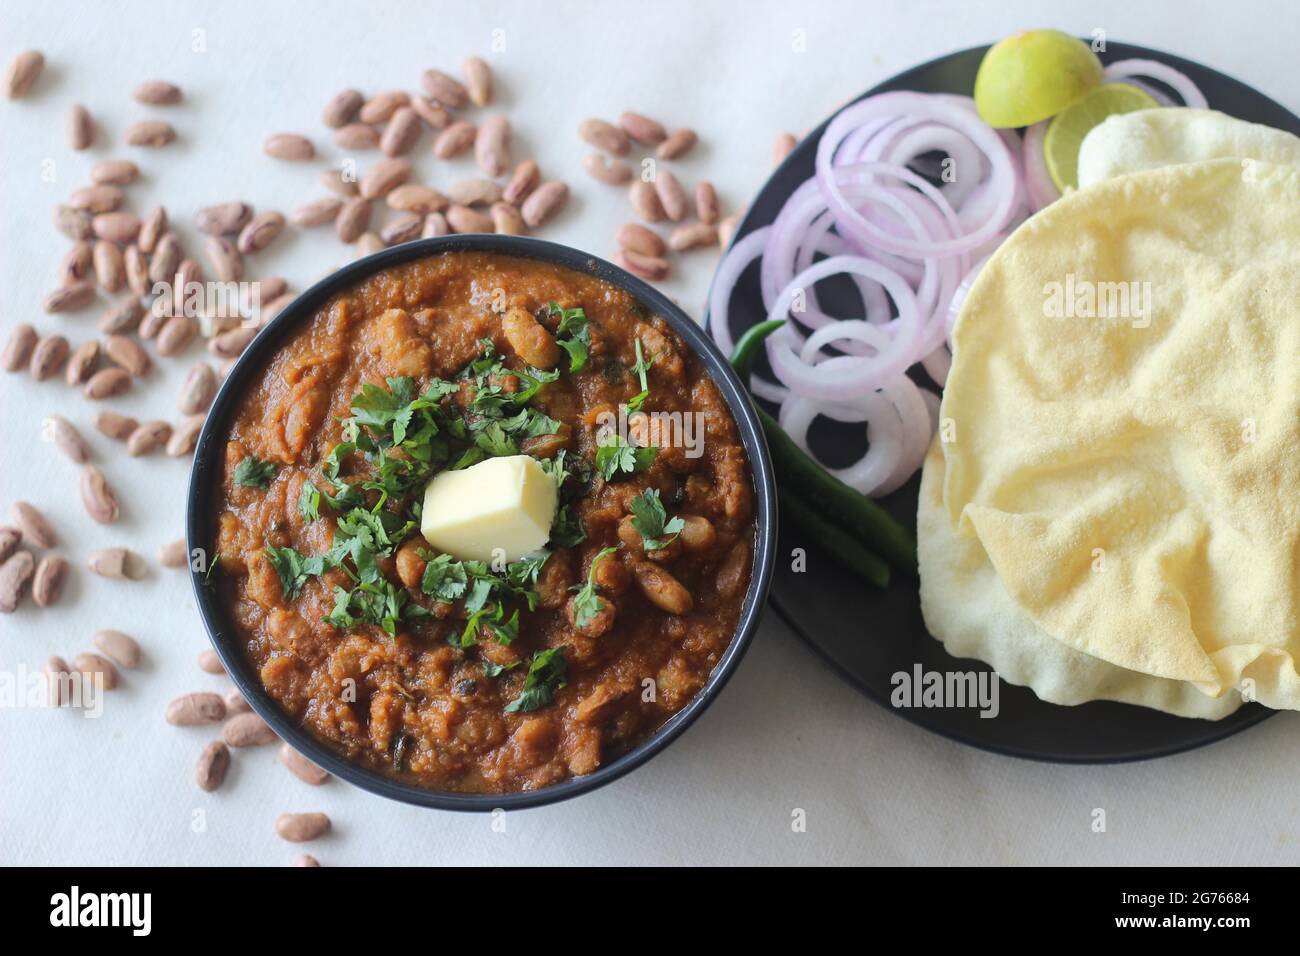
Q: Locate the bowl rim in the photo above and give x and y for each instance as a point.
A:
(200, 518)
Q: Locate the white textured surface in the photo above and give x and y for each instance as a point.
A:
(787, 733)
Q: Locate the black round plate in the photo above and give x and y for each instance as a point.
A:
(869, 635)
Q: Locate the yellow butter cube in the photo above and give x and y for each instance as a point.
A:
(501, 507)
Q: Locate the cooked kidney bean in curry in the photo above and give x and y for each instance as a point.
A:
(454, 675)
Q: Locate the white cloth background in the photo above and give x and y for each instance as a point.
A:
(787, 733)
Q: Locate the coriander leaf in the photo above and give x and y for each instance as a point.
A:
(379, 531)
(494, 440)
(294, 569)
(520, 574)
(342, 615)
(572, 335)
(374, 407)
(444, 578)
(566, 529)
(504, 630)
(397, 606)
(556, 467)
(533, 379)
(335, 458)
(472, 456)
(587, 603)
(530, 423)
(641, 367)
(494, 619)
(615, 456)
(254, 473)
(209, 575)
(380, 603)
(481, 365)
(547, 673)
(491, 669)
(469, 636)
(481, 589)
(651, 521)
(437, 390)
(578, 350)
(309, 501)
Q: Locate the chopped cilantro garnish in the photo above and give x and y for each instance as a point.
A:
(309, 502)
(342, 615)
(381, 603)
(495, 442)
(615, 456)
(472, 456)
(546, 674)
(294, 569)
(641, 367)
(556, 467)
(254, 473)
(523, 573)
(566, 529)
(572, 335)
(474, 581)
(651, 521)
(209, 575)
(494, 618)
(335, 459)
(444, 578)
(587, 603)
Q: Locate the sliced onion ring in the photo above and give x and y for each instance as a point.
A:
(1176, 81)
(844, 377)
(856, 227)
(870, 217)
(884, 435)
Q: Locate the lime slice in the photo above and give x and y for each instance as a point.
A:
(1066, 131)
(1033, 75)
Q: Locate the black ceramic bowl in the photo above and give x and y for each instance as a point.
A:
(201, 518)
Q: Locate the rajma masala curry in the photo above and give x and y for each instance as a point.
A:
(484, 523)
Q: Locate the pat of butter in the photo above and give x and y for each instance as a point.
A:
(501, 505)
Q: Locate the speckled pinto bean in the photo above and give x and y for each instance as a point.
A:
(636, 237)
(190, 710)
(101, 504)
(645, 200)
(543, 203)
(301, 827)
(492, 145)
(15, 573)
(214, 763)
(18, 350)
(223, 218)
(48, 580)
(35, 527)
(454, 140)
(522, 182)
(672, 196)
(612, 172)
(604, 135)
(247, 730)
(301, 767)
(677, 145)
(95, 667)
(341, 107)
(122, 648)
